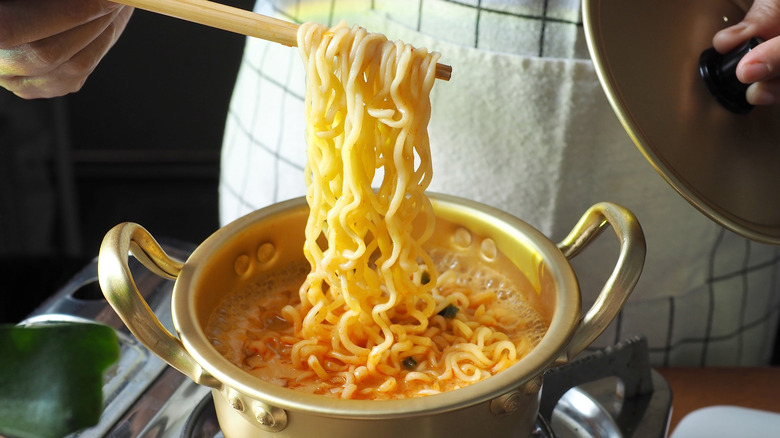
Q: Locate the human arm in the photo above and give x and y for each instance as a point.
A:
(761, 66)
(48, 48)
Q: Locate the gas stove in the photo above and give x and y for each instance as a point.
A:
(608, 393)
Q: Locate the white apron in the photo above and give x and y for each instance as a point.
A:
(534, 136)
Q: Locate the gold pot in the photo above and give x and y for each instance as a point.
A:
(504, 405)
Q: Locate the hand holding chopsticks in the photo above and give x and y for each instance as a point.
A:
(236, 20)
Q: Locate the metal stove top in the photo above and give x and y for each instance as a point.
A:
(610, 393)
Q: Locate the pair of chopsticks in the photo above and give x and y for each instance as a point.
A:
(236, 20)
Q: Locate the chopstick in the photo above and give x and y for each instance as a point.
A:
(236, 20)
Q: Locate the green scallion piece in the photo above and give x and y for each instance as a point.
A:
(449, 312)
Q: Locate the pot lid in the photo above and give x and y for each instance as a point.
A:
(647, 56)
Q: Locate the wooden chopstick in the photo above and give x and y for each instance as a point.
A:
(236, 20)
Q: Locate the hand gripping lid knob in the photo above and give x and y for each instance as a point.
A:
(648, 58)
(720, 74)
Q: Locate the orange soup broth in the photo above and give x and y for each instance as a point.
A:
(494, 300)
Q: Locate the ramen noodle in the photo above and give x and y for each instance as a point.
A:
(373, 317)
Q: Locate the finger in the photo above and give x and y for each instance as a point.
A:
(70, 75)
(39, 57)
(762, 20)
(764, 93)
(760, 64)
(24, 21)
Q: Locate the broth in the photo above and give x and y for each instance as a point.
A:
(482, 299)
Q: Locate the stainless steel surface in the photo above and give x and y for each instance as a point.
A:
(725, 164)
(580, 415)
(646, 415)
(180, 412)
(619, 379)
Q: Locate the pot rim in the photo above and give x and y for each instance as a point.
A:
(562, 325)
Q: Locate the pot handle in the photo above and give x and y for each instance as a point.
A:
(116, 282)
(623, 278)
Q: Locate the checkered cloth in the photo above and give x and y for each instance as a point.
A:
(524, 126)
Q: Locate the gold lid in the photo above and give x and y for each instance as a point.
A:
(647, 58)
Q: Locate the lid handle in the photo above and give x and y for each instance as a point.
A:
(720, 74)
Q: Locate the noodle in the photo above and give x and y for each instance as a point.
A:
(367, 107)
(374, 318)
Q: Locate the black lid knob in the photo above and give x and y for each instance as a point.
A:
(720, 74)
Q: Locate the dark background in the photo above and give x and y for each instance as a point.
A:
(140, 142)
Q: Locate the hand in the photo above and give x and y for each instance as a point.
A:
(48, 48)
(761, 66)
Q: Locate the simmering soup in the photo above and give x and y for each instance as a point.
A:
(487, 316)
